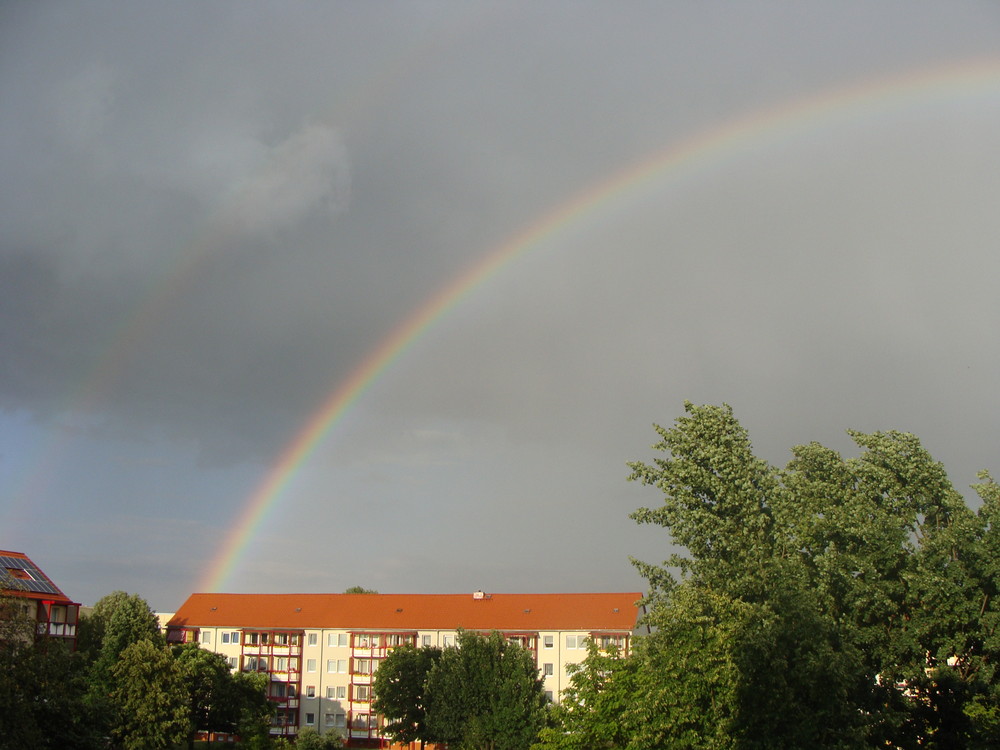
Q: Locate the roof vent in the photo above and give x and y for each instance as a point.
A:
(298, 609)
(399, 609)
(615, 609)
(527, 611)
(478, 595)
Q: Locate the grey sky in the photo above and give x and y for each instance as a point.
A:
(212, 213)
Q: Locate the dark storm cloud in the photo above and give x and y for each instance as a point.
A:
(213, 213)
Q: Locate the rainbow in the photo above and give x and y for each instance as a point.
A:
(695, 154)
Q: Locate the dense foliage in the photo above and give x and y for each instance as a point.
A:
(484, 694)
(122, 688)
(399, 692)
(838, 603)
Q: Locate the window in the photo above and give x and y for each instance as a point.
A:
(360, 721)
(362, 692)
(342, 691)
(280, 664)
(606, 642)
(252, 639)
(340, 720)
(234, 637)
(331, 639)
(310, 719)
(547, 669)
(576, 641)
(310, 665)
(281, 639)
(225, 637)
(206, 636)
(312, 639)
(310, 691)
(342, 640)
(331, 665)
(329, 691)
(447, 640)
(425, 640)
(342, 666)
(548, 695)
(548, 641)
(330, 719)
(362, 666)
(232, 661)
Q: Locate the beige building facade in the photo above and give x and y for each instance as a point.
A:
(321, 651)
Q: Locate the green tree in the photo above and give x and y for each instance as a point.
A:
(118, 621)
(485, 695)
(309, 739)
(837, 603)
(360, 590)
(150, 700)
(399, 689)
(219, 700)
(595, 711)
(254, 725)
(42, 686)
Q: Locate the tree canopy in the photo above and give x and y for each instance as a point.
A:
(838, 602)
(399, 690)
(484, 694)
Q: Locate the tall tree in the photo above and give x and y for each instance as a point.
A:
(118, 621)
(150, 699)
(847, 602)
(595, 711)
(485, 694)
(42, 687)
(399, 688)
(219, 700)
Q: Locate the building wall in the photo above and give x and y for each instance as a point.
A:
(325, 678)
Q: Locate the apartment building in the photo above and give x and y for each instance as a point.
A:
(320, 651)
(55, 615)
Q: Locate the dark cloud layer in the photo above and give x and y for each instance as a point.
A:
(212, 214)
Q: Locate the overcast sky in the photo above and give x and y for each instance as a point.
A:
(212, 213)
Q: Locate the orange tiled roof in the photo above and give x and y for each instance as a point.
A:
(506, 612)
(21, 577)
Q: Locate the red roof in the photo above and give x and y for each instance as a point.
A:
(21, 577)
(506, 612)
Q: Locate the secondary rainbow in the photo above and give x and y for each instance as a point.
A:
(689, 156)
